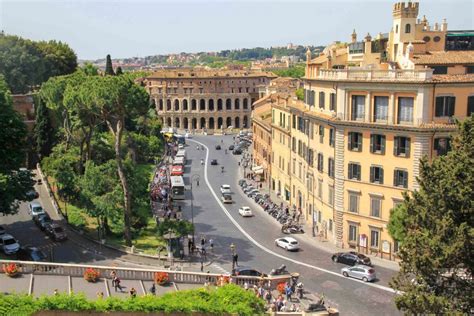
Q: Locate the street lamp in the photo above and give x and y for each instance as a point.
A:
(232, 249)
(194, 177)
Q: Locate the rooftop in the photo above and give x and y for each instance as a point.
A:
(444, 58)
(190, 73)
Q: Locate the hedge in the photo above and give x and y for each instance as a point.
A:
(229, 299)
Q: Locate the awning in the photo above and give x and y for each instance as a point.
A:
(257, 168)
(259, 171)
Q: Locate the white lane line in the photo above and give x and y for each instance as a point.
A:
(250, 238)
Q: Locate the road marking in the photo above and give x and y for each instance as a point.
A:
(250, 238)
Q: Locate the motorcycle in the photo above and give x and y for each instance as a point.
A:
(279, 271)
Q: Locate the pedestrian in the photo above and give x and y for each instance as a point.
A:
(202, 265)
(288, 291)
(236, 259)
(153, 289)
(100, 295)
(239, 163)
(116, 283)
(246, 286)
(203, 241)
(56, 292)
(113, 274)
(181, 253)
(211, 244)
(133, 292)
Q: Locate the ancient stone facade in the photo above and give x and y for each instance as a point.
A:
(198, 100)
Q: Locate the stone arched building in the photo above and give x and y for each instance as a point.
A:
(188, 99)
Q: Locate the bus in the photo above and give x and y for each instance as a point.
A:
(177, 188)
(181, 153)
(180, 139)
(177, 170)
(178, 161)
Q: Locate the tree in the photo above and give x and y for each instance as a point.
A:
(59, 59)
(43, 130)
(437, 249)
(14, 183)
(89, 69)
(397, 226)
(119, 71)
(109, 70)
(300, 94)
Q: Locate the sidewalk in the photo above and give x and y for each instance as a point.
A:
(317, 241)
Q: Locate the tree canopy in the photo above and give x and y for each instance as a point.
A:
(436, 250)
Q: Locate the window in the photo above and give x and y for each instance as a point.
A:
(470, 105)
(401, 146)
(374, 238)
(331, 137)
(440, 70)
(405, 110)
(293, 144)
(354, 171)
(375, 206)
(407, 28)
(354, 202)
(358, 108)
(321, 100)
(320, 162)
(395, 246)
(293, 121)
(396, 29)
(332, 102)
(380, 109)
(376, 174)
(352, 233)
(330, 225)
(469, 70)
(320, 189)
(445, 106)
(377, 144)
(320, 217)
(442, 145)
(312, 98)
(355, 141)
(331, 167)
(331, 195)
(400, 178)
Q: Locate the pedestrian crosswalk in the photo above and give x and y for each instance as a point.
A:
(219, 268)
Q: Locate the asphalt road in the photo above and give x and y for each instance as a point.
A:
(254, 237)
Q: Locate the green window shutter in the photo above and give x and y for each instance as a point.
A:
(439, 106)
(408, 145)
(350, 171)
(405, 179)
(395, 145)
(382, 145)
(394, 177)
(371, 143)
(452, 101)
(358, 172)
(349, 143)
(372, 172)
(359, 142)
(381, 175)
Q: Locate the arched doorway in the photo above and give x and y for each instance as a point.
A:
(185, 105)
(185, 123)
(246, 104)
(211, 105)
(168, 105)
(193, 105)
(160, 105)
(176, 105)
(228, 104)
(219, 105)
(228, 122)
(176, 122)
(237, 122)
(203, 122)
(211, 123)
(168, 122)
(245, 122)
(202, 105)
(237, 104)
(219, 122)
(194, 123)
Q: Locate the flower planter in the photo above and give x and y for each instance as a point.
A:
(91, 275)
(161, 278)
(11, 270)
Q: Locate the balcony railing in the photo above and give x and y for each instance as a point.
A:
(376, 75)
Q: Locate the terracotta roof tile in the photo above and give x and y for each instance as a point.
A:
(454, 78)
(443, 58)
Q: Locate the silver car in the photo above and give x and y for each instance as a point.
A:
(365, 273)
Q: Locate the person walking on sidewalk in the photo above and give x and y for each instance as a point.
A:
(211, 244)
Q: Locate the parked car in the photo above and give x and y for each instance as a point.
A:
(245, 211)
(214, 162)
(351, 258)
(56, 232)
(32, 194)
(9, 244)
(225, 188)
(35, 209)
(226, 198)
(242, 181)
(2, 230)
(231, 147)
(43, 221)
(37, 218)
(366, 274)
(31, 254)
(218, 147)
(248, 188)
(180, 146)
(237, 151)
(245, 271)
(287, 243)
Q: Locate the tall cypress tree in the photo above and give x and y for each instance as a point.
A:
(109, 70)
(119, 71)
(43, 131)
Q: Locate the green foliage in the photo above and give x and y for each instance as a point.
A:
(437, 249)
(44, 133)
(397, 226)
(26, 64)
(119, 71)
(296, 71)
(229, 299)
(181, 228)
(109, 70)
(300, 93)
(89, 69)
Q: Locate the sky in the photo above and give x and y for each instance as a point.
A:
(145, 27)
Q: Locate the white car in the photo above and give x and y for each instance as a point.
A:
(180, 146)
(9, 244)
(245, 211)
(288, 243)
(35, 209)
(225, 189)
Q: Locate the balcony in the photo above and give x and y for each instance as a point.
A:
(373, 75)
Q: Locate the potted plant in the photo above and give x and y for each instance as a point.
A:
(281, 287)
(162, 278)
(91, 275)
(11, 269)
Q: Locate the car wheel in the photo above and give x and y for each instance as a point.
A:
(365, 279)
(335, 259)
(345, 274)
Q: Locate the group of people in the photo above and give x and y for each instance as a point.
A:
(116, 283)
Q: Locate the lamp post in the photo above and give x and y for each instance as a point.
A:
(232, 249)
(194, 177)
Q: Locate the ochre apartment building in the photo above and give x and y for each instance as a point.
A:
(372, 110)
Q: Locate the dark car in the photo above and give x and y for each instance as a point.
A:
(218, 147)
(32, 194)
(40, 217)
(351, 258)
(31, 254)
(237, 152)
(241, 271)
(43, 222)
(242, 181)
(214, 162)
(56, 232)
(231, 147)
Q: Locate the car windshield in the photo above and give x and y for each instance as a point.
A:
(58, 229)
(37, 255)
(294, 242)
(37, 209)
(361, 256)
(9, 241)
(227, 196)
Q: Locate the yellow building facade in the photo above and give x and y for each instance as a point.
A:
(371, 111)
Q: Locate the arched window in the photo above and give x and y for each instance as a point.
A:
(219, 105)
(202, 105)
(407, 28)
(176, 105)
(211, 105)
(168, 105)
(185, 105)
(246, 104)
(237, 104)
(193, 105)
(396, 29)
(168, 122)
(160, 105)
